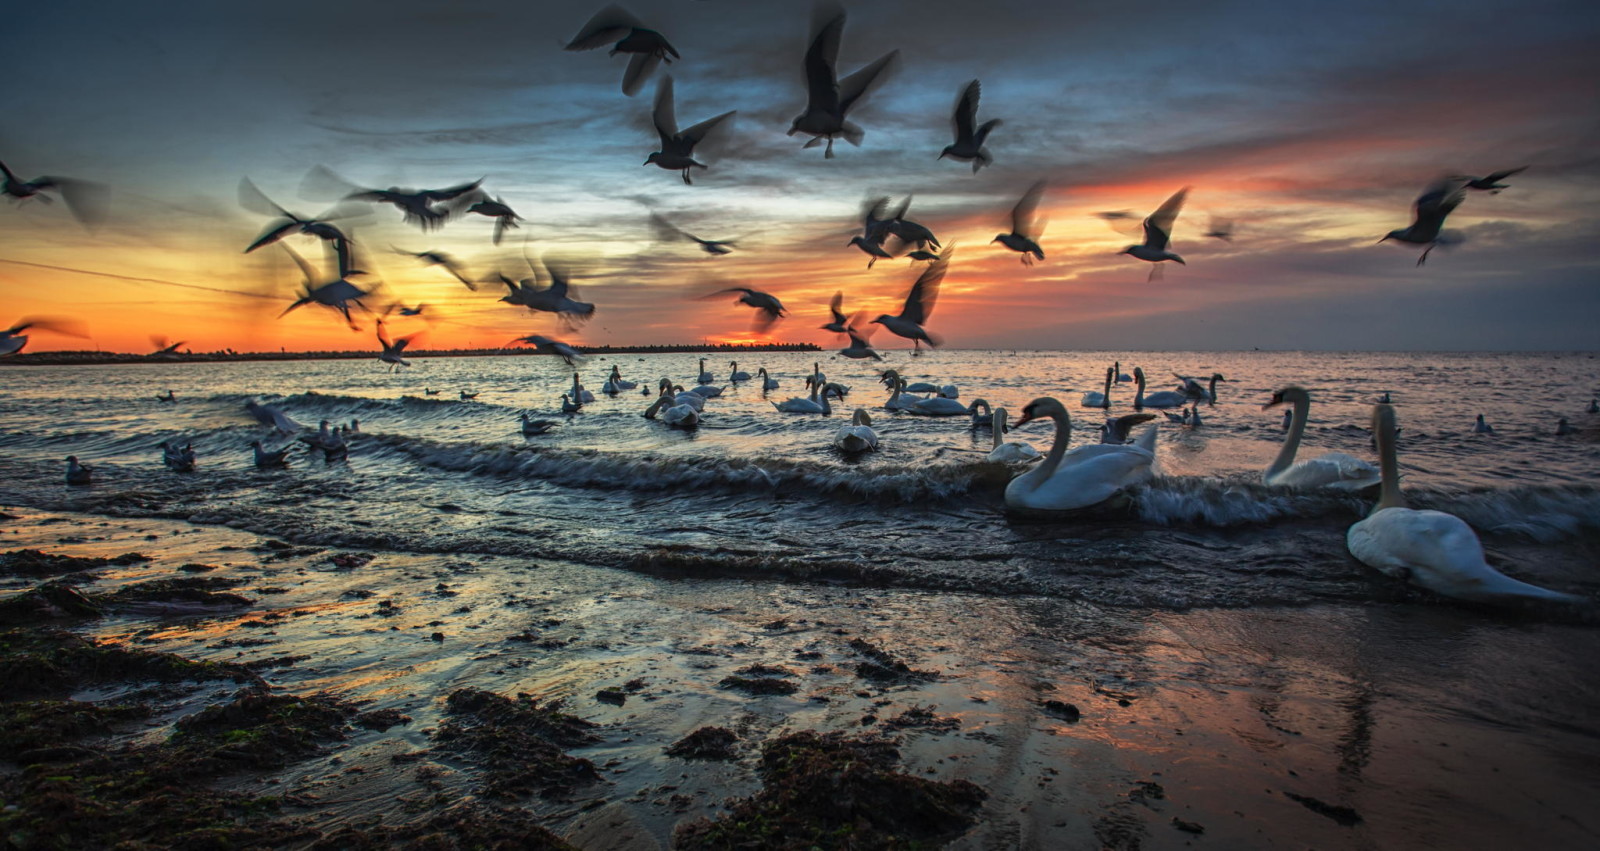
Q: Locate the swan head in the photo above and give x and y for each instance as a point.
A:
(1285, 396)
(1044, 406)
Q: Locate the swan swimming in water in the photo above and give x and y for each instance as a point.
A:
(767, 381)
(672, 412)
(1435, 550)
(982, 415)
(1333, 470)
(1158, 399)
(938, 406)
(1009, 451)
(1102, 399)
(1122, 378)
(737, 375)
(858, 436)
(1088, 475)
(705, 374)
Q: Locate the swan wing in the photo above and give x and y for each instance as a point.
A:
(1334, 469)
(1440, 552)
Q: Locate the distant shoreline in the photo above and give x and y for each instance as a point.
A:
(82, 358)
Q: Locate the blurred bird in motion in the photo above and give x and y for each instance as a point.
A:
(504, 217)
(85, 200)
(677, 147)
(860, 334)
(885, 232)
(1430, 210)
(253, 199)
(970, 135)
(1491, 183)
(548, 346)
(840, 324)
(163, 348)
(393, 350)
(1220, 229)
(829, 99)
(1026, 226)
(338, 294)
(417, 206)
(667, 231)
(439, 258)
(913, 316)
(555, 298)
(1158, 234)
(12, 339)
(768, 308)
(613, 25)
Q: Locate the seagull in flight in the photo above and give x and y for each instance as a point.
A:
(1026, 226)
(829, 99)
(85, 200)
(256, 201)
(504, 217)
(548, 346)
(970, 135)
(840, 323)
(394, 349)
(439, 258)
(555, 298)
(677, 147)
(1158, 233)
(919, 305)
(768, 308)
(885, 232)
(1431, 208)
(860, 334)
(613, 25)
(417, 206)
(665, 230)
(12, 339)
(1491, 183)
(338, 294)
(1220, 229)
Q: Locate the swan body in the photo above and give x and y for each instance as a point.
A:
(858, 436)
(1197, 392)
(922, 387)
(1333, 470)
(1433, 549)
(1564, 428)
(767, 381)
(1009, 451)
(706, 391)
(737, 374)
(1088, 475)
(1158, 399)
(938, 406)
(672, 413)
(982, 415)
(1101, 399)
(579, 394)
(705, 374)
(1122, 378)
(816, 404)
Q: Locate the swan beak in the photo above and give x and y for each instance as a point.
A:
(1021, 421)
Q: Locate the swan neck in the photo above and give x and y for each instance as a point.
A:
(1389, 495)
(1138, 398)
(1291, 443)
(1058, 449)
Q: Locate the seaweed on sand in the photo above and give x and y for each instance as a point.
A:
(832, 791)
(518, 742)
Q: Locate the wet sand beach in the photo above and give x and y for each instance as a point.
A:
(1400, 722)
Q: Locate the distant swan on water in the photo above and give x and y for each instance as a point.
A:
(1334, 469)
(1009, 451)
(1158, 399)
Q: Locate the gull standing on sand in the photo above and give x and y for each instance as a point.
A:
(1158, 234)
(1026, 226)
(613, 25)
(1430, 210)
(970, 135)
(918, 306)
(829, 99)
(677, 147)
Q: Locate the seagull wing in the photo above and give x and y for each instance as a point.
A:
(920, 301)
(695, 134)
(965, 118)
(608, 26)
(857, 85)
(1158, 227)
(1023, 218)
(1501, 175)
(305, 268)
(822, 87)
(1436, 202)
(253, 199)
(835, 305)
(452, 192)
(639, 67)
(273, 234)
(663, 115)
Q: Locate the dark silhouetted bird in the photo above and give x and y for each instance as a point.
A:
(85, 200)
(1430, 210)
(913, 317)
(1158, 233)
(1026, 226)
(970, 135)
(614, 26)
(677, 147)
(829, 99)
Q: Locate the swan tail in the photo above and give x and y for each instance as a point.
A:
(1147, 441)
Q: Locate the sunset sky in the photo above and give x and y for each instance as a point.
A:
(1312, 125)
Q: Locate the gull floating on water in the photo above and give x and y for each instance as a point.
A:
(271, 457)
(829, 99)
(677, 146)
(918, 307)
(532, 427)
(613, 25)
(78, 474)
(1430, 210)
(178, 458)
(1026, 226)
(169, 396)
(970, 135)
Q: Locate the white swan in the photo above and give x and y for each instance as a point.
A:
(1158, 399)
(1009, 451)
(767, 381)
(1102, 399)
(812, 405)
(615, 384)
(579, 394)
(1086, 476)
(858, 436)
(897, 386)
(737, 374)
(950, 391)
(705, 375)
(982, 415)
(938, 406)
(681, 396)
(1333, 470)
(1435, 550)
(706, 391)
(673, 414)
(1122, 378)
